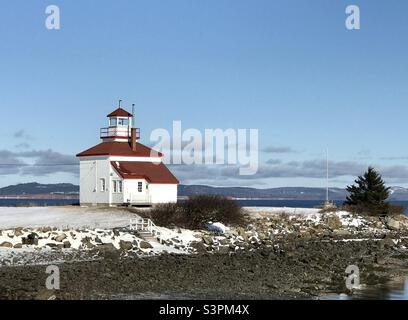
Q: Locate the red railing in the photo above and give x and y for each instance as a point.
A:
(115, 132)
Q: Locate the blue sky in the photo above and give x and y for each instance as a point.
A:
(287, 68)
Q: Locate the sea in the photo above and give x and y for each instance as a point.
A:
(245, 203)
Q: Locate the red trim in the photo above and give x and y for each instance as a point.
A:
(116, 137)
(159, 155)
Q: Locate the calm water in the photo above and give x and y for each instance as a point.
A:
(37, 202)
(299, 203)
(395, 290)
(246, 203)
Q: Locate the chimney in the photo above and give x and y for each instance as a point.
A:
(133, 139)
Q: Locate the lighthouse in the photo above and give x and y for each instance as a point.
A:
(120, 170)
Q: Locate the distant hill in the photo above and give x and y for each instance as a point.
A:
(34, 188)
(286, 193)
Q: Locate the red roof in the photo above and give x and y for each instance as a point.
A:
(119, 112)
(114, 148)
(150, 171)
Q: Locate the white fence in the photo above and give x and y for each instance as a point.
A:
(144, 225)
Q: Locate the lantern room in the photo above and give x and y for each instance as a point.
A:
(120, 126)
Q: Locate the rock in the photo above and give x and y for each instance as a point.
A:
(60, 237)
(32, 239)
(223, 249)
(199, 246)
(67, 244)
(18, 246)
(387, 242)
(393, 224)
(333, 222)
(32, 235)
(6, 244)
(224, 242)
(207, 240)
(51, 245)
(241, 231)
(107, 247)
(45, 229)
(116, 232)
(125, 245)
(98, 240)
(18, 232)
(342, 232)
(145, 245)
(44, 294)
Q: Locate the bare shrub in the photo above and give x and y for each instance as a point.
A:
(197, 211)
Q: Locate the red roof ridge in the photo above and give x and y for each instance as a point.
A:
(155, 173)
(115, 148)
(120, 112)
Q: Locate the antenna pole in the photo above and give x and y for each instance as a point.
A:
(133, 114)
(327, 175)
(120, 102)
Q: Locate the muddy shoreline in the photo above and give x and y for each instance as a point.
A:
(277, 255)
(296, 270)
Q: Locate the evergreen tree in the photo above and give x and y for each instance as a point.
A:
(369, 193)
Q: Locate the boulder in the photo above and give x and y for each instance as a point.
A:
(207, 240)
(333, 222)
(107, 247)
(18, 246)
(6, 244)
(67, 244)
(61, 237)
(393, 224)
(223, 249)
(125, 245)
(145, 245)
(342, 232)
(18, 232)
(31, 239)
(98, 240)
(199, 246)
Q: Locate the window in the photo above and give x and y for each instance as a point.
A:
(103, 185)
(113, 121)
(123, 122)
(117, 186)
(139, 186)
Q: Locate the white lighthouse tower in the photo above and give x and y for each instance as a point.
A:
(120, 170)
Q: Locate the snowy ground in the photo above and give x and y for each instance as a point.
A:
(277, 210)
(82, 229)
(63, 217)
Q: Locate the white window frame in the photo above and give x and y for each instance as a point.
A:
(117, 186)
(102, 184)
